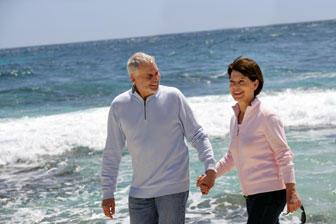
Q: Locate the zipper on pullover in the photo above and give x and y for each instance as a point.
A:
(145, 110)
(238, 128)
(237, 141)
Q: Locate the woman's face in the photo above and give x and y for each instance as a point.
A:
(242, 88)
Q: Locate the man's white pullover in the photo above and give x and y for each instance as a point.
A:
(154, 130)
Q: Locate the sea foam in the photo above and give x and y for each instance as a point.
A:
(296, 108)
(28, 138)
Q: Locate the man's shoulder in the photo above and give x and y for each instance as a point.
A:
(122, 98)
(169, 90)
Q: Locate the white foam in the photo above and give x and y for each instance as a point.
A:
(315, 75)
(213, 113)
(306, 108)
(296, 108)
(28, 138)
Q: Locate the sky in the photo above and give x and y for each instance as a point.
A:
(43, 22)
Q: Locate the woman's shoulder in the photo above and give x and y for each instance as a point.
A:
(268, 113)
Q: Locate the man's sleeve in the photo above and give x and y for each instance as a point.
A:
(195, 135)
(115, 143)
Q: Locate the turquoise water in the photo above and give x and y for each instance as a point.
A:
(54, 102)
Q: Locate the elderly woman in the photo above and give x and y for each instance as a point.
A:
(258, 149)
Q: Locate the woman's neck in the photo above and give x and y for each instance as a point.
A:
(243, 107)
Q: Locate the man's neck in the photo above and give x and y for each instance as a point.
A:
(142, 96)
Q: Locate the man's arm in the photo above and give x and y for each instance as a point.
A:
(115, 143)
(198, 139)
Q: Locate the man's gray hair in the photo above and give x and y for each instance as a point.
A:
(135, 61)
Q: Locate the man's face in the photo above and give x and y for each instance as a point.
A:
(147, 79)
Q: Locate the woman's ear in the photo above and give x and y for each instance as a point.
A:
(256, 84)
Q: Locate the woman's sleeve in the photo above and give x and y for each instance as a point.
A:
(275, 135)
(225, 165)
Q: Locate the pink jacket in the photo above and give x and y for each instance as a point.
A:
(259, 151)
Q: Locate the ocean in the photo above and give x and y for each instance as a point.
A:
(54, 102)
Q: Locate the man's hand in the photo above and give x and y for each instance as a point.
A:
(207, 181)
(108, 206)
(292, 197)
(204, 188)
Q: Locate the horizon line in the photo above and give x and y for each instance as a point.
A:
(162, 34)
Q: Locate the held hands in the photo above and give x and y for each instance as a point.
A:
(108, 206)
(206, 181)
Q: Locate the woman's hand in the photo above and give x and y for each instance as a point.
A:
(207, 181)
(292, 197)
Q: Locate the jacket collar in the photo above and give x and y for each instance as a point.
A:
(135, 93)
(254, 104)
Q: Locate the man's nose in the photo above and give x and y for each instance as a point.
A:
(156, 77)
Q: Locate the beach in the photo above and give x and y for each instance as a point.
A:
(54, 102)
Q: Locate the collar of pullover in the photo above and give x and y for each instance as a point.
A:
(136, 94)
(254, 104)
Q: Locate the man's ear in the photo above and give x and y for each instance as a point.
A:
(132, 78)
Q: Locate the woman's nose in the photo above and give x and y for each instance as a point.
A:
(233, 84)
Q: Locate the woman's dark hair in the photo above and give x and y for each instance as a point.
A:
(248, 68)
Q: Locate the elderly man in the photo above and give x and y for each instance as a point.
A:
(153, 120)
